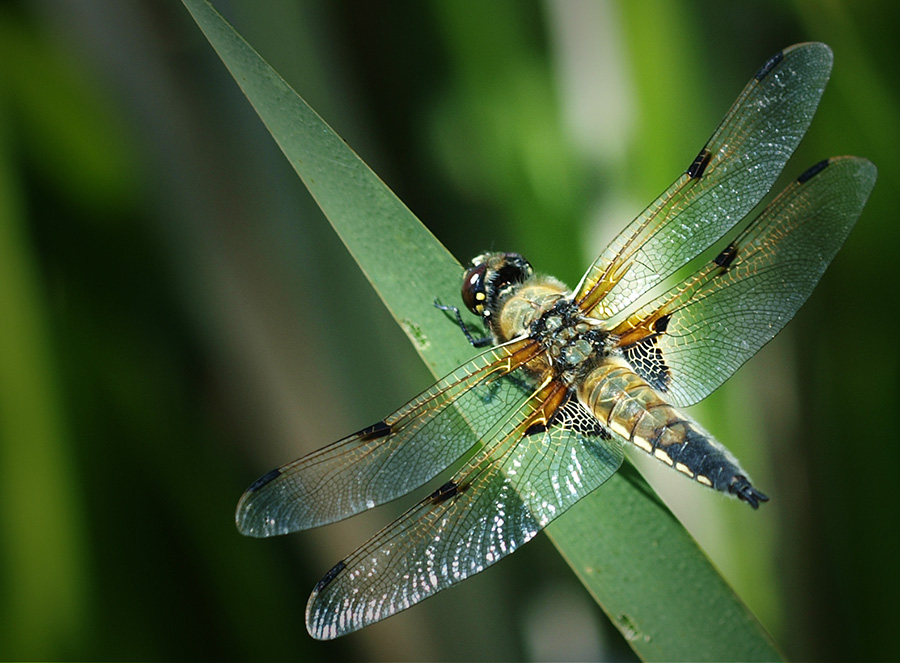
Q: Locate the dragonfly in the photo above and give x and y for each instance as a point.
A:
(567, 379)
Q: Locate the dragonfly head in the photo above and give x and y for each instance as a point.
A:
(490, 275)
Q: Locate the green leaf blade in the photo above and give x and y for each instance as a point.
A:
(373, 223)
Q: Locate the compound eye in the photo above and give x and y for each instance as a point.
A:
(514, 269)
(473, 294)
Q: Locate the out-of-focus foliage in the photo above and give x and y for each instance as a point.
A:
(176, 318)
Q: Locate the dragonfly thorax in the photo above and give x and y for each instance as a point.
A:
(574, 344)
(515, 303)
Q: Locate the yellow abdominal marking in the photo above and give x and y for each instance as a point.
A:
(643, 444)
(681, 467)
(704, 480)
(664, 457)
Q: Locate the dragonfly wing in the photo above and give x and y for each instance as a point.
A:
(691, 339)
(390, 458)
(530, 473)
(731, 174)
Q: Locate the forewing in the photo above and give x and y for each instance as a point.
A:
(690, 340)
(504, 496)
(731, 174)
(387, 460)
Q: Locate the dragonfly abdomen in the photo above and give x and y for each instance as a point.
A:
(627, 405)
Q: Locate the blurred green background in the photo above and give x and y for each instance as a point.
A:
(176, 317)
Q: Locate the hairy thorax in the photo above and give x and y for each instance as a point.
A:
(542, 307)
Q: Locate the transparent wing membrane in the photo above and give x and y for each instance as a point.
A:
(504, 496)
(703, 330)
(733, 172)
(391, 458)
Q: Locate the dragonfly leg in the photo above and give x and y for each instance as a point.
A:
(475, 342)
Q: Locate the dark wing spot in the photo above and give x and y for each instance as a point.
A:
(536, 429)
(263, 480)
(572, 416)
(770, 64)
(374, 431)
(662, 324)
(727, 256)
(812, 171)
(330, 576)
(445, 492)
(647, 359)
(588, 426)
(698, 167)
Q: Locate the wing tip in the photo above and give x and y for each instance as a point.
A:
(246, 515)
(318, 623)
